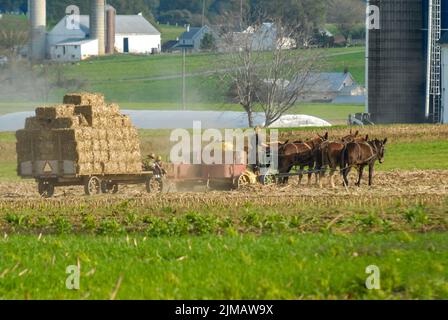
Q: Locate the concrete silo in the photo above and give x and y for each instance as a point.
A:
(404, 61)
(38, 22)
(397, 63)
(110, 29)
(97, 24)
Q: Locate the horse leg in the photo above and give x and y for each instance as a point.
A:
(301, 174)
(360, 172)
(322, 170)
(371, 168)
(332, 171)
(310, 172)
(345, 173)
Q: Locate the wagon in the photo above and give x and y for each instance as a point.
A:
(51, 174)
(84, 141)
(219, 176)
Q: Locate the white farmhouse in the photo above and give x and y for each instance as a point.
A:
(133, 34)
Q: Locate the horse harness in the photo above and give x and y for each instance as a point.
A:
(373, 150)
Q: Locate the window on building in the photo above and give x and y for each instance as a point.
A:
(63, 50)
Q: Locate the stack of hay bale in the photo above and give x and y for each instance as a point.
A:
(86, 130)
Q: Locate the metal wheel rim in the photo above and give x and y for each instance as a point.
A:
(154, 185)
(268, 179)
(46, 189)
(114, 188)
(94, 186)
(243, 180)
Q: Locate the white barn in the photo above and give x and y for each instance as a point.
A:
(67, 51)
(133, 34)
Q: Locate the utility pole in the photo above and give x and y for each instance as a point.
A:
(203, 12)
(184, 87)
(241, 15)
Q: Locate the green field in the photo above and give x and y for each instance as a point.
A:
(240, 267)
(170, 32)
(154, 82)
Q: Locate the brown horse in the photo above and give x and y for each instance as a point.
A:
(301, 154)
(330, 154)
(360, 155)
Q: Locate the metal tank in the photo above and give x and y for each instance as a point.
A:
(97, 24)
(110, 29)
(396, 63)
(38, 22)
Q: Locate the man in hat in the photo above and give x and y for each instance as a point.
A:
(158, 167)
(148, 162)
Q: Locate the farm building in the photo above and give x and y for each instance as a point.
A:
(191, 39)
(133, 34)
(328, 86)
(259, 38)
(76, 38)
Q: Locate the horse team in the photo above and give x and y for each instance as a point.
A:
(320, 154)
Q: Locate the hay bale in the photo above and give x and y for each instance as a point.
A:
(84, 129)
(84, 99)
(55, 112)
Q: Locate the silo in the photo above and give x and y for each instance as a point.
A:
(97, 24)
(110, 29)
(396, 68)
(38, 22)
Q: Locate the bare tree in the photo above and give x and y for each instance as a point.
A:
(265, 70)
(12, 38)
(240, 70)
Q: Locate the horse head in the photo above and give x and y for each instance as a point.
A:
(380, 148)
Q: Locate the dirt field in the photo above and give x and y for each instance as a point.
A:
(395, 183)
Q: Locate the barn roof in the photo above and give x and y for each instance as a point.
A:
(188, 35)
(323, 81)
(125, 24)
(75, 42)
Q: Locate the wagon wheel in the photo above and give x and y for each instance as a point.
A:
(154, 185)
(109, 187)
(268, 179)
(92, 186)
(46, 189)
(243, 181)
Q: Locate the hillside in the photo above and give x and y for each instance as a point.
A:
(154, 82)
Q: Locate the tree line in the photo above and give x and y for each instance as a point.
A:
(311, 12)
(308, 14)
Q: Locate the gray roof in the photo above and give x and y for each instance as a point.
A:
(74, 42)
(323, 82)
(125, 24)
(188, 35)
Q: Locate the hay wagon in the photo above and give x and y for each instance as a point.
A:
(84, 142)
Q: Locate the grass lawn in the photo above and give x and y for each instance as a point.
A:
(315, 266)
(148, 80)
(416, 155)
(170, 32)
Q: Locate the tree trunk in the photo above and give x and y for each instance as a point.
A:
(250, 118)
